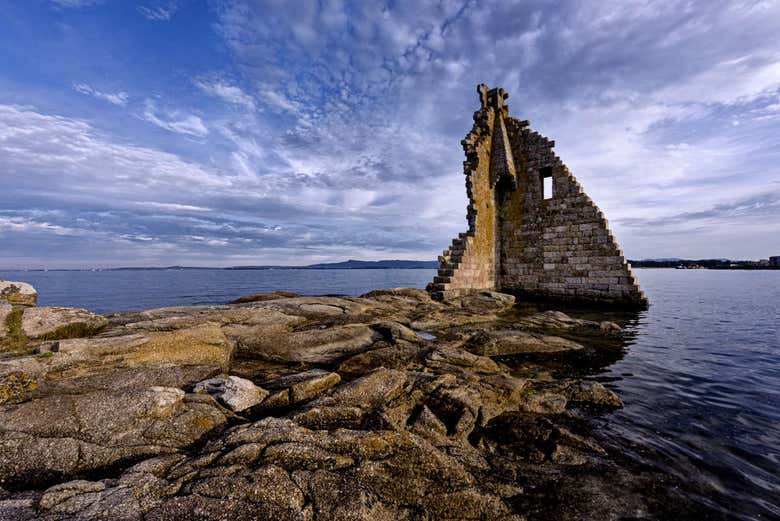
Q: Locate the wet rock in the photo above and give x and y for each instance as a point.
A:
(593, 393)
(543, 401)
(514, 342)
(58, 322)
(472, 308)
(18, 293)
(562, 321)
(237, 394)
(481, 301)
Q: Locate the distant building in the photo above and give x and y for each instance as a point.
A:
(774, 261)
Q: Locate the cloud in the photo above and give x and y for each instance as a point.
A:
(739, 80)
(174, 207)
(22, 225)
(76, 3)
(43, 152)
(161, 12)
(762, 206)
(115, 98)
(174, 121)
(331, 129)
(226, 92)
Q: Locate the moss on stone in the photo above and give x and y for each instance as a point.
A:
(15, 339)
(73, 330)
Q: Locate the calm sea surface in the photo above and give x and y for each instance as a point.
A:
(700, 377)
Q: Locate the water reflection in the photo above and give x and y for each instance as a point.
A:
(699, 376)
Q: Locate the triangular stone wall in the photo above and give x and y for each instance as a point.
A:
(518, 240)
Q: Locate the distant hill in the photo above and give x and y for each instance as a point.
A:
(375, 265)
(351, 265)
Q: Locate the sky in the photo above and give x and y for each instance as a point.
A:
(222, 133)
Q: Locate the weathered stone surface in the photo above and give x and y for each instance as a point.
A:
(514, 342)
(363, 418)
(593, 393)
(562, 321)
(249, 319)
(18, 293)
(200, 345)
(317, 307)
(520, 239)
(237, 394)
(544, 401)
(311, 346)
(60, 322)
(262, 297)
(61, 435)
(410, 293)
(372, 390)
(299, 388)
(398, 356)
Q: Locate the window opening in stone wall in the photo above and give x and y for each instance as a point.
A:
(547, 182)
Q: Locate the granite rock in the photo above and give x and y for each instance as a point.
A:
(18, 293)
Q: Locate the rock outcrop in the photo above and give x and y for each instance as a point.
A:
(18, 293)
(293, 408)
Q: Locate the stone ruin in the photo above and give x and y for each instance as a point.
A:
(520, 239)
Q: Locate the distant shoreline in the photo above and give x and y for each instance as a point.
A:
(711, 264)
(345, 265)
(735, 268)
(184, 268)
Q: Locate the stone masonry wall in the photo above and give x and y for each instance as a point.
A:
(518, 240)
(470, 262)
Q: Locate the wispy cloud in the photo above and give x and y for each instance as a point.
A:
(227, 93)
(174, 121)
(76, 3)
(115, 98)
(43, 151)
(174, 207)
(161, 12)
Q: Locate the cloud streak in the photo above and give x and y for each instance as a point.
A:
(159, 12)
(115, 98)
(174, 121)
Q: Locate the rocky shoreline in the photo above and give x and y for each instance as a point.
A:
(386, 406)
